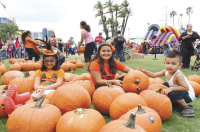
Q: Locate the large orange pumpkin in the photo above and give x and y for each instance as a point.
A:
(64, 66)
(32, 117)
(75, 61)
(91, 121)
(155, 81)
(81, 77)
(27, 66)
(22, 60)
(158, 102)
(88, 85)
(8, 76)
(2, 112)
(10, 60)
(82, 49)
(70, 97)
(70, 76)
(135, 81)
(24, 84)
(18, 62)
(104, 96)
(194, 78)
(36, 66)
(49, 96)
(71, 66)
(79, 65)
(2, 64)
(156, 87)
(146, 117)
(3, 69)
(125, 102)
(123, 126)
(196, 87)
(16, 67)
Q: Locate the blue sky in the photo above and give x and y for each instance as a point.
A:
(64, 16)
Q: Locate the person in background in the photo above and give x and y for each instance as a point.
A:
(172, 45)
(67, 45)
(108, 39)
(73, 48)
(124, 49)
(144, 48)
(60, 45)
(18, 48)
(1, 43)
(99, 39)
(187, 49)
(3, 54)
(10, 49)
(54, 39)
(165, 48)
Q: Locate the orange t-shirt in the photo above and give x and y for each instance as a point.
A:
(28, 44)
(49, 77)
(94, 66)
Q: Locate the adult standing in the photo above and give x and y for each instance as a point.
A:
(9, 43)
(119, 41)
(99, 39)
(172, 45)
(108, 39)
(89, 42)
(165, 48)
(1, 43)
(60, 46)
(54, 39)
(144, 48)
(73, 48)
(187, 49)
(29, 45)
(18, 48)
(67, 45)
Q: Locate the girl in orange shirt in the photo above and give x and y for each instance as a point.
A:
(104, 66)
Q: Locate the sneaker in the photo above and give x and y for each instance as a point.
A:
(187, 111)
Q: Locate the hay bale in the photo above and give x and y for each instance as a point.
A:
(137, 56)
(131, 51)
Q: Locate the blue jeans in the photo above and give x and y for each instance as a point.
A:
(165, 52)
(145, 51)
(178, 95)
(120, 54)
(186, 54)
(26, 53)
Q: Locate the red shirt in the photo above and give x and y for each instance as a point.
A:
(17, 44)
(67, 45)
(99, 39)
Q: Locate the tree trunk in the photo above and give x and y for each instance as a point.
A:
(112, 25)
(104, 25)
(125, 24)
(189, 19)
(122, 28)
(116, 22)
(173, 20)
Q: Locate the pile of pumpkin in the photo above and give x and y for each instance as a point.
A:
(139, 106)
(22, 65)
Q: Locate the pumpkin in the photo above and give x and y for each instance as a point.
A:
(146, 117)
(2, 64)
(36, 66)
(3, 69)
(123, 126)
(82, 49)
(10, 60)
(88, 85)
(27, 66)
(158, 102)
(70, 97)
(70, 76)
(69, 61)
(64, 66)
(40, 62)
(81, 120)
(81, 77)
(156, 87)
(79, 65)
(0, 74)
(194, 78)
(46, 101)
(123, 74)
(2, 112)
(123, 103)
(8, 76)
(104, 96)
(71, 66)
(75, 61)
(86, 74)
(32, 117)
(24, 84)
(15, 60)
(18, 62)
(49, 96)
(22, 60)
(117, 76)
(15, 67)
(196, 87)
(32, 74)
(155, 81)
(135, 81)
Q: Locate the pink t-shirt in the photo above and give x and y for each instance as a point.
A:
(87, 36)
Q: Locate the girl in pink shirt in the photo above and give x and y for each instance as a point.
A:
(89, 42)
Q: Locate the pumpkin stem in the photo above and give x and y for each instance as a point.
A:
(137, 81)
(6, 87)
(139, 89)
(39, 103)
(26, 75)
(80, 111)
(109, 85)
(140, 110)
(131, 121)
(160, 91)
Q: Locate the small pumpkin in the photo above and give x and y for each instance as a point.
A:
(36, 66)
(32, 117)
(196, 87)
(123, 126)
(64, 66)
(81, 77)
(156, 87)
(158, 102)
(135, 81)
(10, 60)
(146, 117)
(71, 66)
(70, 76)
(82, 49)
(155, 81)
(2, 69)
(123, 103)
(79, 65)
(16, 67)
(10, 75)
(22, 60)
(104, 96)
(75, 61)
(70, 97)
(2, 64)
(194, 78)
(2, 112)
(27, 66)
(91, 121)
(15, 60)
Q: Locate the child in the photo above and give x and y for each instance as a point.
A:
(3, 54)
(104, 66)
(180, 91)
(10, 49)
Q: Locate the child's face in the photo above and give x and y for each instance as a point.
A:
(106, 53)
(49, 62)
(172, 64)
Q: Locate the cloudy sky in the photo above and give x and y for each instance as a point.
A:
(64, 16)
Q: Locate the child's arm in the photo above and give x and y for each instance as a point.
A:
(181, 81)
(151, 74)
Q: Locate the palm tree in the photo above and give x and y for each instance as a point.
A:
(99, 8)
(2, 4)
(189, 11)
(11, 29)
(116, 9)
(172, 14)
(129, 12)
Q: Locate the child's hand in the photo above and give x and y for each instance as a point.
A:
(142, 70)
(167, 91)
(41, 88)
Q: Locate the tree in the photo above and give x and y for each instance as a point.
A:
(3, 35)
(11, 29)
(99, 8)
(172, 14)
(189, 11)
(71, 40)
(2, 4)
(116, 9)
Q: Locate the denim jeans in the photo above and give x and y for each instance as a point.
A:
(26, 53)
(119, 53)
(186, 54)
(165, 52)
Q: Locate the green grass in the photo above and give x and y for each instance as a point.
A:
(175, 123)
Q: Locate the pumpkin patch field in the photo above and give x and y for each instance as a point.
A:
(111, 107)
